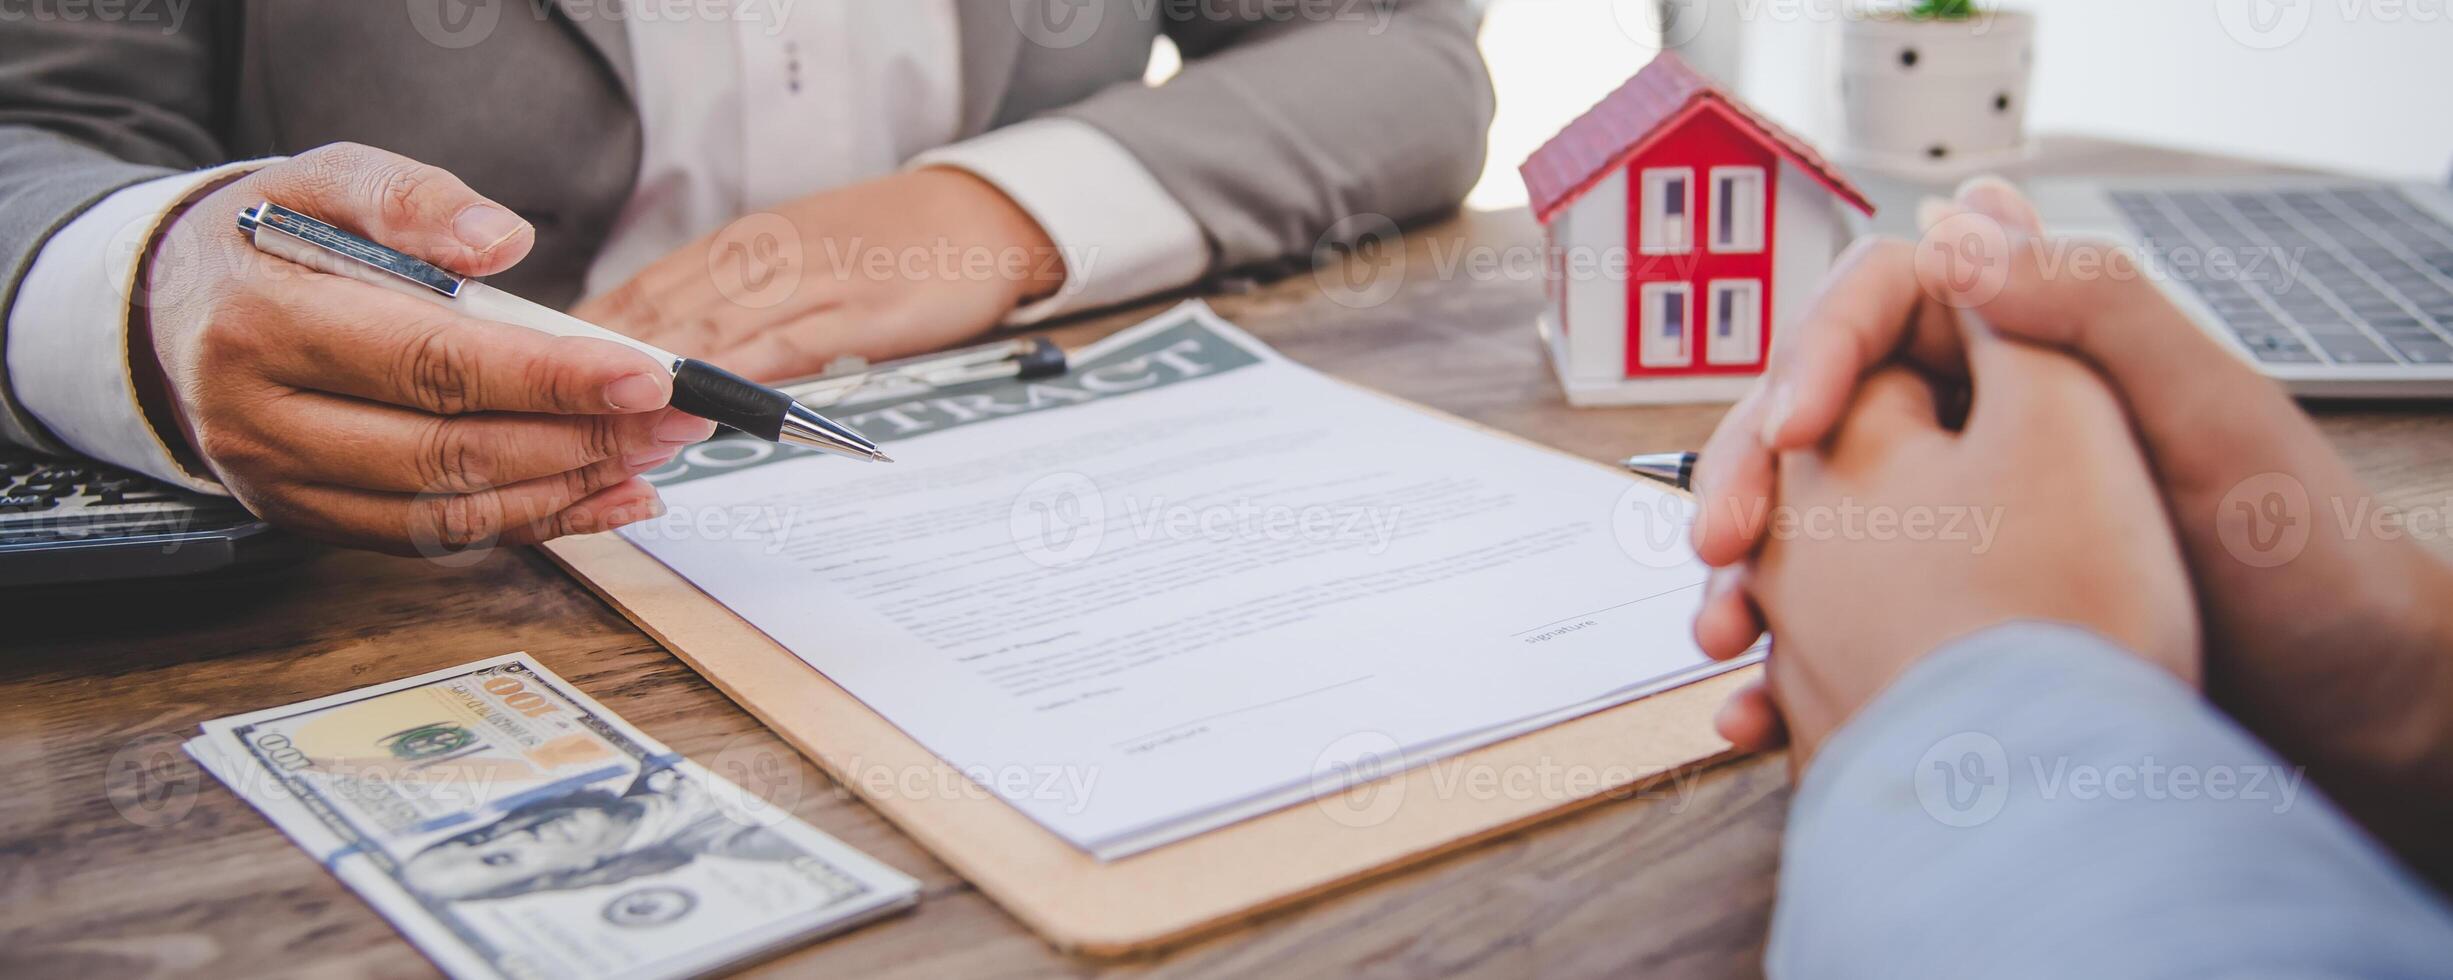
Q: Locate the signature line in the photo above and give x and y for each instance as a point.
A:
(1256, 707)
(1605, 609)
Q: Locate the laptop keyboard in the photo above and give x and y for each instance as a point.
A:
(46, 500)
(2355, 275)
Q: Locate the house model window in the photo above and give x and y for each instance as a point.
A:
(1665, 324)
(1737, 209)
(1733, 321)
(1669, 201)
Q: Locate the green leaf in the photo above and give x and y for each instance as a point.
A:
(1943, 9)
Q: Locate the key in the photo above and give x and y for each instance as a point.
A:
(2429, 351)
(2352, 349)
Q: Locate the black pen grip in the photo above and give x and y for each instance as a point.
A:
(725, 398)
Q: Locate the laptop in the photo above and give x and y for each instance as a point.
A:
(68, 521)
(2338, 288)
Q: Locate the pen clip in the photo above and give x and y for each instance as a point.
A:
(326, 240)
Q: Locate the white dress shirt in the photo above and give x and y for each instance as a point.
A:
(738, 114)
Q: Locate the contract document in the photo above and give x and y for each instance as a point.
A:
(1188, 582)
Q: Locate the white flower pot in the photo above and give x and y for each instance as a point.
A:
(1935, 99)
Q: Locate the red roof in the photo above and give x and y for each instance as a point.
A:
(1602, 139)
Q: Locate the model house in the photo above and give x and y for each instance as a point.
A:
(1685, 233)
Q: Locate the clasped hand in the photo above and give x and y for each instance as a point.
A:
(2049, 380)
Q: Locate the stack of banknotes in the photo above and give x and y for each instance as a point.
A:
(511, 827)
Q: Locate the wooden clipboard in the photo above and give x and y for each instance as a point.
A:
(1196, 886)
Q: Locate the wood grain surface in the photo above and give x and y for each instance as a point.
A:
(119, 858)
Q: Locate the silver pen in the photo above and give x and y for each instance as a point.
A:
(1674, 469)
(699, 388)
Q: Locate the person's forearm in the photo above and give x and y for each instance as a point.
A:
(2033, 801)
(2395, 774)
(2366, 704)
(1116, 233)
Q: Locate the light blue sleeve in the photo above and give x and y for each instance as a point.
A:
(2032, 801)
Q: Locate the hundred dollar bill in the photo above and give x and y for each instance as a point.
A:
(512, 827)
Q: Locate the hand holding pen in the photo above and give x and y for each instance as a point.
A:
(365, 416)
(699, 388)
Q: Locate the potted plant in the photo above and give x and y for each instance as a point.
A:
(1935, 89)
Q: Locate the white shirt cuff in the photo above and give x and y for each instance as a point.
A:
(1121, 235)
(68, 328)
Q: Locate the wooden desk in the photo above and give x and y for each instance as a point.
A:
(119, 858)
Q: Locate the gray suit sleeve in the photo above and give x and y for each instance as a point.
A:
(2032, 801)
(1305, 113)
(90, 104)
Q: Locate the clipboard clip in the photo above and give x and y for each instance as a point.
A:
(851, 379)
